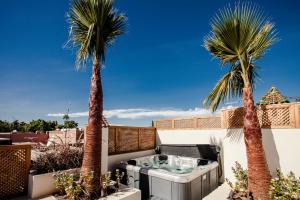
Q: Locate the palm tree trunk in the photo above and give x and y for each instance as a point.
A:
(93, 141)
(258, 171)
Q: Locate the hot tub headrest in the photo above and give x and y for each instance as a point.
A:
(204, 151)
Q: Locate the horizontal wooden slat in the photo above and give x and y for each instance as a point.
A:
(123, 139)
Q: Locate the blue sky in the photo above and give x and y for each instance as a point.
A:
(158, 67)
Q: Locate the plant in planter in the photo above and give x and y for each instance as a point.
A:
(105, 183)
(285, 188)
(70, 185)
(119, 175)
(281, 188)
(239, 189)
(47, 161)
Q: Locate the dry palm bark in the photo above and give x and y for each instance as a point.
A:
(258, 171)
(92, 151)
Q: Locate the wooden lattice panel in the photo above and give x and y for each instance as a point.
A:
(209, 123)
(127, 139)
(14, 170)
(111, 140)
(164, 124)
(235, 118)
(147, 139)
(297, 116)
(271, 116)
(275, 117)
(183, 123)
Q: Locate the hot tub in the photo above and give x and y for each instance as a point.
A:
(172, 177)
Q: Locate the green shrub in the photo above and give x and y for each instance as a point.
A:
(71, 184)
(285, 188)
(240, 187)
(281, 187)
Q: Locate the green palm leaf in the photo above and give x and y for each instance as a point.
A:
(94, 25)
(240, 36)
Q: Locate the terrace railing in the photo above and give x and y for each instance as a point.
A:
(124, 139)
(270, 116)
(14, 170)
(208, 122)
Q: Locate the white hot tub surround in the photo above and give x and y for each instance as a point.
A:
(124, 193)
(171, 176)
(164, 184)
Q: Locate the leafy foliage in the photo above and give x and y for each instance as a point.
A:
(57, 158)
(5, 126)
(70, 184)
(94, 25)
(70, 124)
(240, 187)
(35, 125)
(240, 36)
(281, 188)
(285, 188)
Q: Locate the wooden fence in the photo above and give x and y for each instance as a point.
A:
(14, 170)
(270, 116)
(208, 122)
(124, 139)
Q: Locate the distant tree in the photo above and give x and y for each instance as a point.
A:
(33, 126)
(15, 125)
(41, 125)
(70, 124)
(22, 127)
(66, 117)
(5, 126)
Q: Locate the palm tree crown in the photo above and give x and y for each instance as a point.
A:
(239, 37)
(94, 25)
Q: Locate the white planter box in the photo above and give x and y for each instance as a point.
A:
(125, 194)
(43, 184)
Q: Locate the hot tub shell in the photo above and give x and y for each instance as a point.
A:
(162, 184)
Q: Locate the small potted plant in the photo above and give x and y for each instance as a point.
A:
(105, 183)
(119, 175)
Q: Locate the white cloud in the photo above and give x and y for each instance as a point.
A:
(78, 114)
(137, 113)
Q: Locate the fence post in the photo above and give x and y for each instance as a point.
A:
(224, 119)
(195, 122)
(116, 139)
(28, 161)
(297, 115)
(139, 132)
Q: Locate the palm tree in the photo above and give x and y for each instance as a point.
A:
(240, 36)
(94, 25)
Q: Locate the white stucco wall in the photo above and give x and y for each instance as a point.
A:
(281, 146)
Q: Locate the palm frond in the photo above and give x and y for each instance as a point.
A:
(242, 29)
(94, 25)
(240, 35)
(230, 86)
